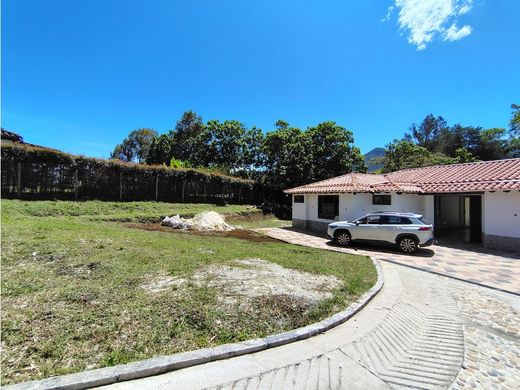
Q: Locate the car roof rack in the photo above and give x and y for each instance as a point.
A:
(396, 213)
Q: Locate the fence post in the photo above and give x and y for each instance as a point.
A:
(157, 187)
(182, 195)
(19, 179)
(120, 186)
(76, 184)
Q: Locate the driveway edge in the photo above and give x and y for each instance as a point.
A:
(164, 364)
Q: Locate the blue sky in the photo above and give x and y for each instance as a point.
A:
(79, 75)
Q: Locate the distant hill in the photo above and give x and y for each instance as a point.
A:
(372, 157)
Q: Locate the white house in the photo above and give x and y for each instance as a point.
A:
(473, 202)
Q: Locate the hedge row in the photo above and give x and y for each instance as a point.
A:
(33, 172)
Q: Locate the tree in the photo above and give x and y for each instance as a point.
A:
(176, 164)
(136, 146)
(492, 145)
(190, 139)
(427, 133)
(227, 145)
(160, 150)
(463, 155)
(294, 157)
(513, 147)
(401, 154)
(514, 123)
(288, 160)
(252, 156)
(332, 151)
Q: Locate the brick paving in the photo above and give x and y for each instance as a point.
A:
(498, 270)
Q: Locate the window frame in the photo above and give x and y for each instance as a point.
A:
(382, 197)
(296, 197)
(335, 207)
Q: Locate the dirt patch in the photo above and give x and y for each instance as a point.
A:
(253, 278)
(161, 282)
(252, 281)
(243, 234)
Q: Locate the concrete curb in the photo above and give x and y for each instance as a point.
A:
(163, 364)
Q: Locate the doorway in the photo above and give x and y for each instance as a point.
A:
(458, 218)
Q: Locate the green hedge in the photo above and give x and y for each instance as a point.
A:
(34, 172)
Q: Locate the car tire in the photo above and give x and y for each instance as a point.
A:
(407, 244)
(342, 238)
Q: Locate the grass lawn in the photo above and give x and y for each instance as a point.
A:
(72, 276)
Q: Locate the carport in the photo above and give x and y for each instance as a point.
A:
(458, 218)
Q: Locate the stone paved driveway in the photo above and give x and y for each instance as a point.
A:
(500, 271)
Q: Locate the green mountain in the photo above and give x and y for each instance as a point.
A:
(372, 157)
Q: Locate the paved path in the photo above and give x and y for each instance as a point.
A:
(488, 268)
(421, 331)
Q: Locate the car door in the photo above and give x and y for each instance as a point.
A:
(368, 228)
(390, 228)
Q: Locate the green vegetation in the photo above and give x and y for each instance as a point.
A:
(284, 157)
(433, 142)
(72, 295)
(116, 211)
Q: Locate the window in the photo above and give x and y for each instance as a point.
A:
(373, 220)
(406, 221)
(424, 221)
(382, 199)
(328, 206)
(395, 220)
(299, 198)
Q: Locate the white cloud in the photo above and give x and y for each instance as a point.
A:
(426, 20)
(454, 33)
(388, 14)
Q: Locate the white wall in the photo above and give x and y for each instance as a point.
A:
(502, 213)
(298, 209)
(353, 206)
(428, 207)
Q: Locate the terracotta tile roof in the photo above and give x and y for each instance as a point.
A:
(478, 176)
(354, 182)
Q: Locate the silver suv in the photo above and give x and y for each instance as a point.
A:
(406, 230)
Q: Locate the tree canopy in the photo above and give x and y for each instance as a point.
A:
(434, 142)
(136, 146)
(288, 156)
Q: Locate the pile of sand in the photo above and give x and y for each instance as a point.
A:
(208, 220)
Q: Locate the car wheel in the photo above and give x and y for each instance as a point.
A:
(342, 238)
(407, 244)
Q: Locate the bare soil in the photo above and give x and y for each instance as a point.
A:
(248, 280)
(243, 234)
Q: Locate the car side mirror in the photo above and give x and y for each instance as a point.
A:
(358, 223)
